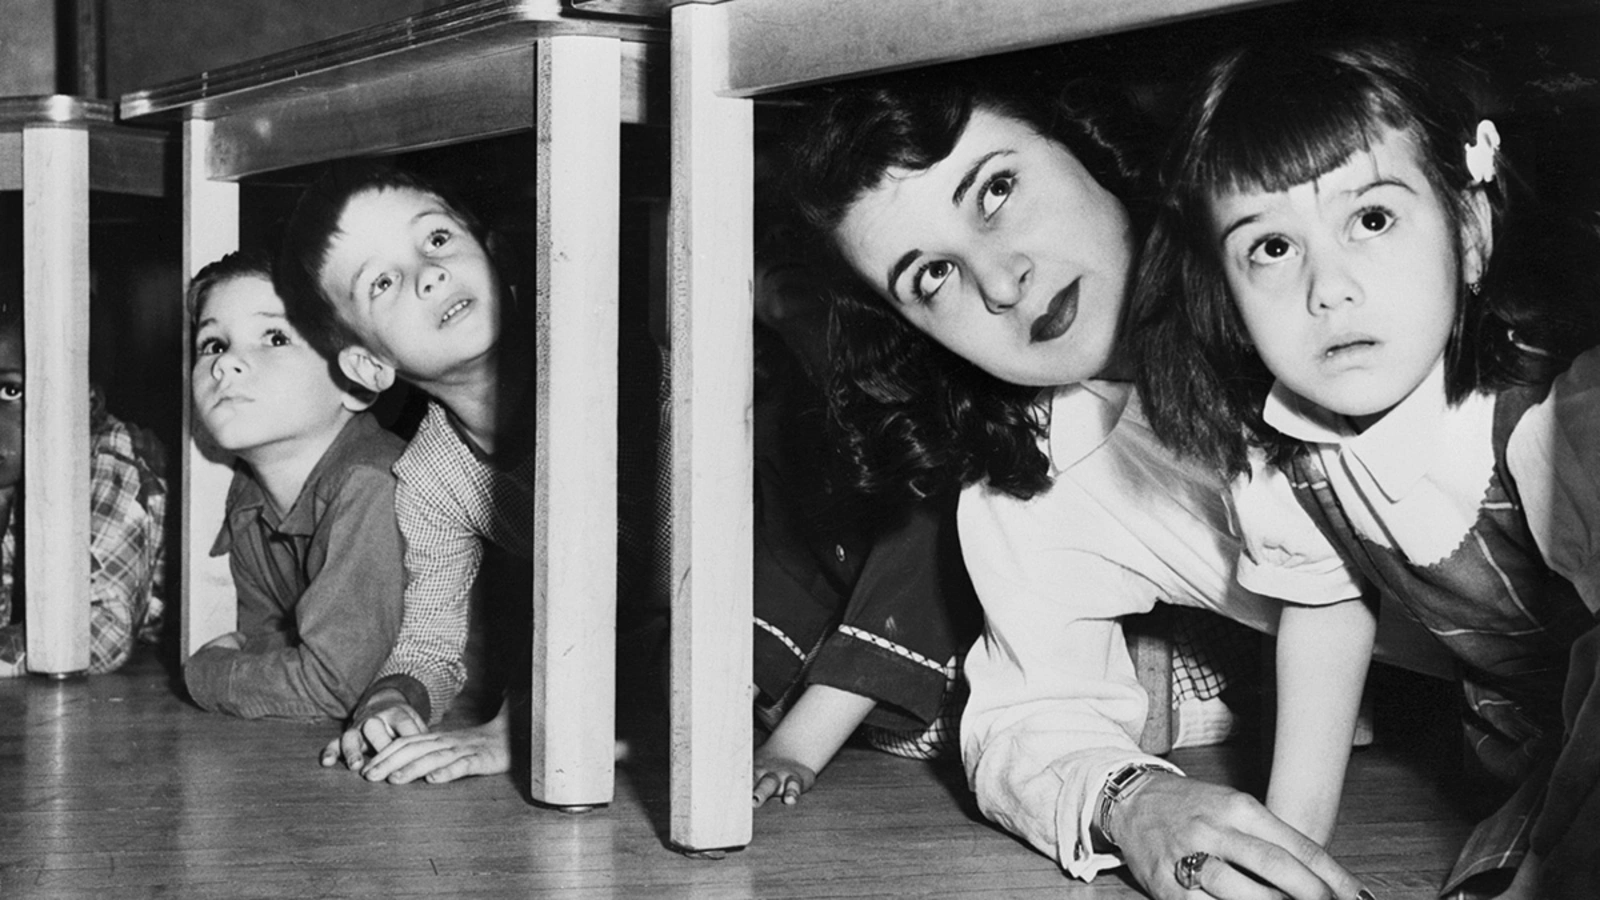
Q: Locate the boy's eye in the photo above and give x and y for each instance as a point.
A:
(1373, 222)
(381, 283)
(930, 278)
(10, 393)
(995, 193)
(438, 238)
(1270, 251)
(277, 338)
(209, 347)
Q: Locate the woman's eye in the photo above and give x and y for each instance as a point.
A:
(996, 192)
(1372, 222)
(1270, 251)
(210, 347)
(930, 278)
(277, 338)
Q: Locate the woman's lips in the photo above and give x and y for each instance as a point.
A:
(1059, 317)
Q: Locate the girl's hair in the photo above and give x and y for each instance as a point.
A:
(309, 234)
(1272, 116)
(239, 264)
(914, 419)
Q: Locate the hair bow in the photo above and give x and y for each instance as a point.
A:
(1481, 152)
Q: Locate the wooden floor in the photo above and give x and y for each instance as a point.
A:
(117, 787)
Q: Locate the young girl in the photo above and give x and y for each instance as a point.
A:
(1347, 312)
(309, 527)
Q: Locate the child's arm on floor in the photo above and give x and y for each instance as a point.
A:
(1323, 654)
(803, 744)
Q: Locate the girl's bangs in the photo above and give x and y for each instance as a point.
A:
(1264, 144)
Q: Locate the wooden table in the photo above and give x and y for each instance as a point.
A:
(56, 149)
(459, 73)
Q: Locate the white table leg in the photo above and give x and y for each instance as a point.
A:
(55, 199)
(577, 92)
(711, 308)
(210, 230)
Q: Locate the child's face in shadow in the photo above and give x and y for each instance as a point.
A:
(10, 408)
(258, 386)
(414, 283)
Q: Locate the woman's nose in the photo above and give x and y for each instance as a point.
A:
(1002, 279)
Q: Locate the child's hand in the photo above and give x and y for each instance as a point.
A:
(385, 717)
(440, 756)
(777, 776)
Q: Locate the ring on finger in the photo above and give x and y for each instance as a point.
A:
(1187, 871)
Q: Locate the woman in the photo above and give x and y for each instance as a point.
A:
(995, 232)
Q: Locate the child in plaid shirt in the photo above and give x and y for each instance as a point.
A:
(127, 508)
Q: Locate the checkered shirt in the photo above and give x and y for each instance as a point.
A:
(447, 502)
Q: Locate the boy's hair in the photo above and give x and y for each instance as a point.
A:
(1271, 116)
(309, 234)
(238, 264)
(915, 419)
(254, 263)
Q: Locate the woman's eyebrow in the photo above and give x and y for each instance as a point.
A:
(899, 267)
(971, 176)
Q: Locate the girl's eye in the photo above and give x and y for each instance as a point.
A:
(277, 338)
(210, 347)
(10, 393)
(438, 238)
(996, 191)
(1373, 222)
(930, 278)
(380, 284)
(1269, 251)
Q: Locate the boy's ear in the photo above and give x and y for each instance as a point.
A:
(1477, 236)
(359, 365)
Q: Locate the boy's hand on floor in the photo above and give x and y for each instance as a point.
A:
(440, 756)
(777, 776)
(383, 719)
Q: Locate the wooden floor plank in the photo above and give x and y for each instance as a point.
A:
(116, 786)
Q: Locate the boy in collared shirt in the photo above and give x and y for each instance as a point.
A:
(310, 526)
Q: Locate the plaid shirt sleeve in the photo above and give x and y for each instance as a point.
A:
(127, 512)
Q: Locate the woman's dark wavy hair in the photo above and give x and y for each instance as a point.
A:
(1271, 116)
(912, 418)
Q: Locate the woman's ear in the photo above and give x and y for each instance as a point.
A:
(359, 365)
(1477, 236)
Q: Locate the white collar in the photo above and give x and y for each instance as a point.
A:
(1396, 451)
(1082, 417)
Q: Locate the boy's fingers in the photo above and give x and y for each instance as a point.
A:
(791, 791)
(377, 732)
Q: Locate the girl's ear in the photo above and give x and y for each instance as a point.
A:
(359, 365)
(1477, 236)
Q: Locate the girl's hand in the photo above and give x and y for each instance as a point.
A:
(1252, 853)
(776, 776)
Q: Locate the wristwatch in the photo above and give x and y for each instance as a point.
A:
(1123, 783)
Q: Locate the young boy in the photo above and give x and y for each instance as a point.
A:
(309, 527)
(128, 503)
(385, 274)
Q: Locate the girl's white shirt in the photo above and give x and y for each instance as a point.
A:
(1416, 480)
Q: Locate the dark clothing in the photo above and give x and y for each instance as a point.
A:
(878, 608)
(1511, 623)
(320, 590)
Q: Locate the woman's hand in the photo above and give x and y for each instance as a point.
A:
(1251, 853)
